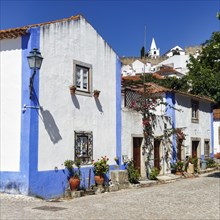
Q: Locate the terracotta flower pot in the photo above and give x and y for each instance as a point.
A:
(99, 179)
(74, 183)
(72, 90)
(179, 173)
(96, 94)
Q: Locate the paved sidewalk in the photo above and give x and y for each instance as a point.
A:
(193, 198)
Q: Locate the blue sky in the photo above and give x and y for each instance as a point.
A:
(121, 22)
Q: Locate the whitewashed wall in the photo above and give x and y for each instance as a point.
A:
(201, 130)
(60, 44)
(10, 64)
(179, 63)
(216, 137)
(132, 127)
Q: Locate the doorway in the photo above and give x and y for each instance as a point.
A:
(195, 145)
(137, 141)
(157, 153)
(179, 149)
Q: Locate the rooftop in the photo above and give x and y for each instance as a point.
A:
(154, 88)
(16, 32)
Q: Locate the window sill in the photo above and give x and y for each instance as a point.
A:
(195, 120)
(83, 93)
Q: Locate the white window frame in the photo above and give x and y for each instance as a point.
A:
(81, 66)
(195, 111)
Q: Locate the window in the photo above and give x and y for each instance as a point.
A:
(82, 76)
(206, 149)
(84, 146)
(195, 111)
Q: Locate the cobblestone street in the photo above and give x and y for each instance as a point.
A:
(196, 198)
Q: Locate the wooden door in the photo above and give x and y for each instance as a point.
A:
(179, 149)
(157, 153)
(195, 145)
(137, 153)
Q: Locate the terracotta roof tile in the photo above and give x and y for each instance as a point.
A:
(153, 88)
(164, 70)
(16, 32)
(199, 97)
(158, 76)
(132, 78)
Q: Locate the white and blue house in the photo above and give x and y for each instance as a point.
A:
(40, 132)
(190, 114)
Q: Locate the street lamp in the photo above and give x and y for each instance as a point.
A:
(34, 60)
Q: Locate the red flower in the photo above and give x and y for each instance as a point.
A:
(146, 122)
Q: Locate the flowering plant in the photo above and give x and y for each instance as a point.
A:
(100, 166)
(69, 164)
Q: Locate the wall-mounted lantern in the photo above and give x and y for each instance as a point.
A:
(34, 60)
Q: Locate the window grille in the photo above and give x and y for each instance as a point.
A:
(130, 98)
(84, 146)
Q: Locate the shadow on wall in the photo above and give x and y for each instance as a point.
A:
(75, 101)
(98, 104)
(50, 126)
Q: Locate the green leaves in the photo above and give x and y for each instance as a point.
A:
(204, 72)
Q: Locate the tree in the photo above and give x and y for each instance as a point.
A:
(142, 52)
(168, 82)
(204, 71)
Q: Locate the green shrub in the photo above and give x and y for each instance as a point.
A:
(154, 173)
(210, 163)
(179, 166)
(133, 174)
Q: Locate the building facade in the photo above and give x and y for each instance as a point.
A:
(40, 133)
(189, 116)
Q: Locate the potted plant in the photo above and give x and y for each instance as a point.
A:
(154, 173)
(100, 168)
(73, 174)
(133, 174)
(194, 161)
(96, 93)
(178, 167)
(72, 89)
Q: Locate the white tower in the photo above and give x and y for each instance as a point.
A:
(154, 52)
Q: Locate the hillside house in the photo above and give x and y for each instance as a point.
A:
(137, 67)
(177, 50)
(168, 71)
(46, 126)
(177, 62)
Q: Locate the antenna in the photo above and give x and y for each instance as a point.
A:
(145, 32)
(145, 46)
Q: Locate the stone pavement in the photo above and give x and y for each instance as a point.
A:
(193, 198)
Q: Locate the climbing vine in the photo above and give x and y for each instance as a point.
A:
(146, 104)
